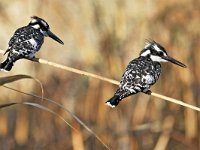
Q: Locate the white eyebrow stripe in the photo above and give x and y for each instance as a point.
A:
(146, 53)
(33, 20)
(44, 23)
(156, 48)
(36, 26)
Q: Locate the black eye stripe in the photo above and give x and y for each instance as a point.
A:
(153, 52)
(161, 53)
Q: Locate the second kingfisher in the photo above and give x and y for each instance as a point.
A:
(26, 41)
(142, 72)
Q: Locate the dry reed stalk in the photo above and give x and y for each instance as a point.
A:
(42, 61)
(22, 127)
(165, 136)
(65, 109)
(46, 62)
(3, 125)
(77, 138)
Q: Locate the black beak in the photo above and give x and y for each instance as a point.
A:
(53, 36)
(174, 61)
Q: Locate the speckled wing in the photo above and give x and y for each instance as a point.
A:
(25, 42)
(139, 75)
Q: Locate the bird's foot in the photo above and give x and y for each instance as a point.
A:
(31, 58)
(148, 92)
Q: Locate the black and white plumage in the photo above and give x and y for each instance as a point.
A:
(26, 41)
(142, 72)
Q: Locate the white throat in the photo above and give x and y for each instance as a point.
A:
(157, 58)
(43, 32)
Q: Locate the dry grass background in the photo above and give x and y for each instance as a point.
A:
(102, 37)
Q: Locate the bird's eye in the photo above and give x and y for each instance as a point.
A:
(161, 53)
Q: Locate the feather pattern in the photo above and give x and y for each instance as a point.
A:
(139, 75)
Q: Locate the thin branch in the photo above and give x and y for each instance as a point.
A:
(42, 61)
(176, 101)
(40, 107)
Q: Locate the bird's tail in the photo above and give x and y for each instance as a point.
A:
(6, 65)
(114, 101)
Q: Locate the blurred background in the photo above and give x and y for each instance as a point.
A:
(101, 37)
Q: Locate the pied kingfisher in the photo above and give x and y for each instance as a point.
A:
(142, 72)
(26, 41)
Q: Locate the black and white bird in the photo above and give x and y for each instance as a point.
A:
(26, 41)
(142, 72)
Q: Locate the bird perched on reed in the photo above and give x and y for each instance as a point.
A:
(26, 41)
(142, 72)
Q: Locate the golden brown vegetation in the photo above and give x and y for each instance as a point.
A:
(102, 37)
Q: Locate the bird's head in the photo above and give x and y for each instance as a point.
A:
(41, 25)
(157, 53)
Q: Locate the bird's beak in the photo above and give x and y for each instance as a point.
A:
(53, 36)
(174, 61)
